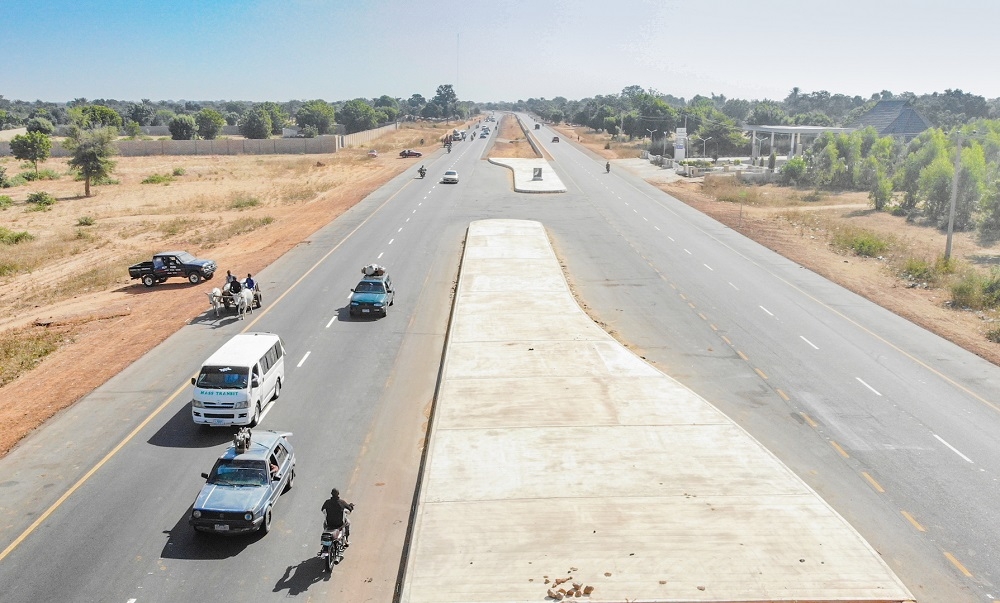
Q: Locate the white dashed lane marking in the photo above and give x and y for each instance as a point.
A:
(301, 362)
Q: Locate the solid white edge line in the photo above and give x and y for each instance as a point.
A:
(809, 342)
(953, 449)
(709, 267)
(400, 229)
(862, 381)
(734, 286)
(391, 240)
(766, 310)
(299, 365)
(332, 320)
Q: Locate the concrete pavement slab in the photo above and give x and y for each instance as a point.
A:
(556, 453)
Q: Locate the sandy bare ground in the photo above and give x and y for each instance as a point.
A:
(73, 287)
(510, 141)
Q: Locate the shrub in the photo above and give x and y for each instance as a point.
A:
(178, 171)
(607, 145)
(993, 335)
(864, 243)
(9, 237)
(793, 172)
(244, 201)
(967, 292)
(918, 269)
(158, 179)
(182, 127)
(85, 221)
(5, 201)
(41, 175)
(41, 199)
(4, 181)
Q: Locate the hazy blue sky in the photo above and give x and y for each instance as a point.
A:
(57, 50)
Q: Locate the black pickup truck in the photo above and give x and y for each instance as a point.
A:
(172, 264)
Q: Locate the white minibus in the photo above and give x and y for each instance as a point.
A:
(239, 380)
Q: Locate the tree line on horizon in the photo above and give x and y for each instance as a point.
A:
(204, 119)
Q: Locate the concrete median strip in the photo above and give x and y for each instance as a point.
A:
(524, 179)
(557, 453)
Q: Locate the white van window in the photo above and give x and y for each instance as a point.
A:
(222, 377)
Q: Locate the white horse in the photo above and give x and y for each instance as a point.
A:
(244, 303)
(215, 298)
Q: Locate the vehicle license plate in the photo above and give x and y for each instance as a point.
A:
(326, 542)
(221, 527)
(364, 310)
(219, 421)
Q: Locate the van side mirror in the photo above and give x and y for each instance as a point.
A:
(204, 475)
(254, 382)
(352, 290)
(194, 381)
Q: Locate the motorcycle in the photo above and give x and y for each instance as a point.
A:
(449, 148)
(332, 544)
(422, 172)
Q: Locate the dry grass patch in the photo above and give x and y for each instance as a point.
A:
(22, 349)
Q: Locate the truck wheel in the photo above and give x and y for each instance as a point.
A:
(265, 526)
(148, 280)
(194, 277)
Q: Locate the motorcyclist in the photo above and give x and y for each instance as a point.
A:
(422, 171)
(336, 517)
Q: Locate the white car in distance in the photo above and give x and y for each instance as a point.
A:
(450, 177)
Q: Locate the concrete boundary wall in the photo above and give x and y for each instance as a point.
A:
(360, 138)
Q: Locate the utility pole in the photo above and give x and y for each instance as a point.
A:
(954, 197)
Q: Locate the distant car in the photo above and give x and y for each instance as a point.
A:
(372, 296)
(410, 153)
(450, 177)
(373, 153)
(485, 134)
(245, 483)
(555, 139)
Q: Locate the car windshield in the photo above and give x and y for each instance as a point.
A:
(369, 287)
(235, 472)
(223, 377)
(185, 257)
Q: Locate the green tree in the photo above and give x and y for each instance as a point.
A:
(91, 153)
(40, 124)
(922, 151)
(316, 113)
(767, 113)
(935, 189)
(182, 127)
(141, 113)
(357, 115)
(279, 119)
(162, 117)
(446, 98)
(255, 124)
(430, 111)
(7, 119)
(95, 116)
(33, 147)
(209, 122)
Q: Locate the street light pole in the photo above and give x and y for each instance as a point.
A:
(954, 197)
(704, 144)
(651, 132)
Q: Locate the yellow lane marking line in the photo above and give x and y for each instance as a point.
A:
(842, 452)
(783, 395)
(86, 476)
(871, 480)
(742, 355)
(761, 373)
(915, 523)
(809, 420)
(702, 316)
(957, 564)
(726, 339)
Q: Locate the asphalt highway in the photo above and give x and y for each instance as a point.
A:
(890, 424)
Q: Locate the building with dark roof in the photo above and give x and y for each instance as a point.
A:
(893, 118)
